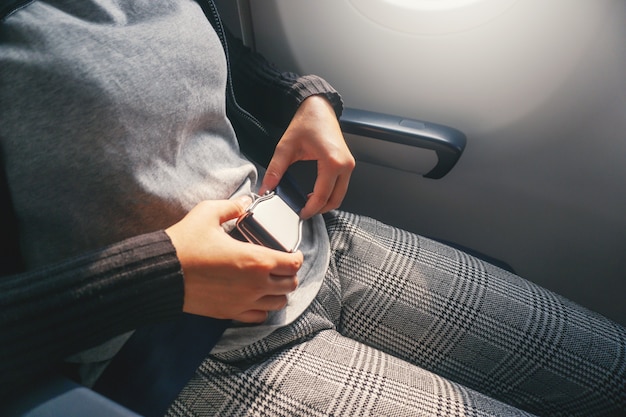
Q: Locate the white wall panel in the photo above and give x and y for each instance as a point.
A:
(540, 90)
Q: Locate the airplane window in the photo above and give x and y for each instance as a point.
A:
(431, 17)
(432, 4)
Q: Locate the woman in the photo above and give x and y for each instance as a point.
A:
(123, 117)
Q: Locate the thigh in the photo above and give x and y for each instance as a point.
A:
(329, 375)
(473, 323)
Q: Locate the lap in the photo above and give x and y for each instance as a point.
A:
(329, 375)
(435, 318)
(471, 322)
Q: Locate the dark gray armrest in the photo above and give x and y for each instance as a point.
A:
(447, 143)
(62, 397)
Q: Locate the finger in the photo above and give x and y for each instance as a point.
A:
(277, 167)
(322, 190)
(338, 194)
(286, 264)
(271, 303)
(230, 209)
(282, 285)
(262, 307)
(252, 316)
(266, 262)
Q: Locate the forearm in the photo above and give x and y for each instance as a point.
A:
(269, 94)
(50, 313)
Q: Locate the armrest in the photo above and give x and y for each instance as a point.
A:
(62, 397)
(392, 141)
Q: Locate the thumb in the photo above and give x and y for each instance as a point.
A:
(275, 170)
(231, 209)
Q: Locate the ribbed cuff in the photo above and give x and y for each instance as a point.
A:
(309, 85)
(50, 313)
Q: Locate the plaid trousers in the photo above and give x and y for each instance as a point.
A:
(405, 326)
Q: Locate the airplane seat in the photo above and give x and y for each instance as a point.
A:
(60, 396)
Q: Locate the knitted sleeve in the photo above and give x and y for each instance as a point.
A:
(50, 313)
(271, 95)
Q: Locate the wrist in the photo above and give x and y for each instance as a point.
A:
(315, 109)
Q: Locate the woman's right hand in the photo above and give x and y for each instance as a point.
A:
(226, 278)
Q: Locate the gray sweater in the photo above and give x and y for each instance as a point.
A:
(117, 124)
(114, 124)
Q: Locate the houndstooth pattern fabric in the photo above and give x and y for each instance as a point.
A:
(404, 326)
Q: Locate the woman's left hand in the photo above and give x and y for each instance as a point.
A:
(314, 134)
